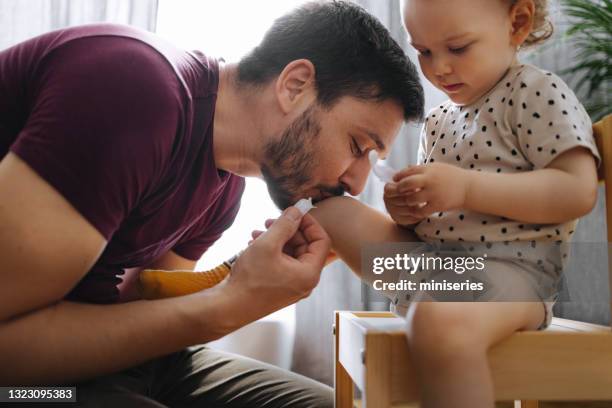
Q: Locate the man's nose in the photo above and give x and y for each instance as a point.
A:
(355, 177)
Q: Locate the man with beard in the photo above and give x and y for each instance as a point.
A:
(120, 152)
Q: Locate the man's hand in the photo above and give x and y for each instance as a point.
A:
(419, 191)
(281, 266)
(297, 245)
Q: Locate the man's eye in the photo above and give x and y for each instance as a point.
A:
(357, 151)
(459, 50)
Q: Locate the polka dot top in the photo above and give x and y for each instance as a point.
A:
(528, 119)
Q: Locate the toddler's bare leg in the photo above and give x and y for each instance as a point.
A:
(448, 341)
(351, 224)
(449, 344)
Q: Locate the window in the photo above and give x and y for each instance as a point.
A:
(227, 29)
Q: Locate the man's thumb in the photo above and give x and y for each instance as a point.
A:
(284, 227)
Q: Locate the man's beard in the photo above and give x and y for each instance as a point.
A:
(288, 164)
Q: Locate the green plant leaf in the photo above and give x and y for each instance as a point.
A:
(590, 31)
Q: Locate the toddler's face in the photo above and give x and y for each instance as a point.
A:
(464, 46)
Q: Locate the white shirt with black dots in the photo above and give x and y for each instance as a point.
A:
(527, 120)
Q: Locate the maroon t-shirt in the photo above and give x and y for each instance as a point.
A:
(121, 124)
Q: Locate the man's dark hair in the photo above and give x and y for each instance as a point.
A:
(352, 52)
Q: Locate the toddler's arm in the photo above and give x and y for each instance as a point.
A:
(565, 190)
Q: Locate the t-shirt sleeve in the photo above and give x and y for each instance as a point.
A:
(205, 233)
(101, 125)
(548, 119)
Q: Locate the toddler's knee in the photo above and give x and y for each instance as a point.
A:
(441, 332)
(339, 203)
(338, 215)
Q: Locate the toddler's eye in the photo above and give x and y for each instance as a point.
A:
(424, 53)
(459, 50)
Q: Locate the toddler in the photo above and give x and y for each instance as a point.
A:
(508, 159)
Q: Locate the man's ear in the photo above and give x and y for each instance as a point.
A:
(296, 85)
(521, 18)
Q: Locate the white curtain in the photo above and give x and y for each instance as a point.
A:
(20, 20)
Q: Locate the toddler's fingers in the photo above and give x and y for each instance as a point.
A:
(403, 208)
(406, 219)
(415, 199)
(391, 189)
(402, 215)
(409, 221)
(411, 183)
(408, 171)
(406, 212)
(421, 211)
(399, 201)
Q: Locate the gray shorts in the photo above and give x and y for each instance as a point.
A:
(504, 280)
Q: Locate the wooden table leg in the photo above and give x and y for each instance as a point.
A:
(378, 371)
(343, 384)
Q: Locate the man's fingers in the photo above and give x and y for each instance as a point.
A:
(256, 234)
(311, 229)
(297, 241)
(316, 253)
(283, 229)
(318, 242)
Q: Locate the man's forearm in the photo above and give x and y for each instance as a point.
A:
(546, 196)
(70, 341)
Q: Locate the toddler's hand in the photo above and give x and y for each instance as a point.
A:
(419, 191)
